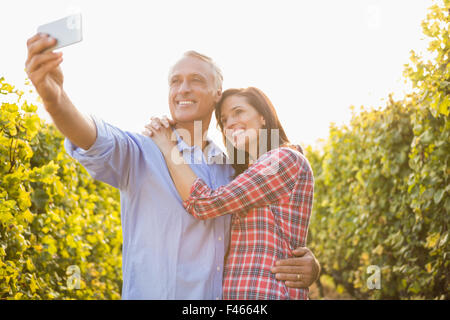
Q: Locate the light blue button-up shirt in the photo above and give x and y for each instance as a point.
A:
(167, 254)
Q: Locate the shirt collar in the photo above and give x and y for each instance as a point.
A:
(212, 149)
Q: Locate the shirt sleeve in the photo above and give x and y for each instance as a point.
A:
(110, 157)
(273, 176)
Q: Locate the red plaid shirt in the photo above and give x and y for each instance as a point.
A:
(271, 203)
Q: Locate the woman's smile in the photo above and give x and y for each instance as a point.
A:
(241, 122)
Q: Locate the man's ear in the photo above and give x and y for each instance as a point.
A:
(218, 95)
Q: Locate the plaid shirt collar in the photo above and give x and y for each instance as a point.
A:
(212, 150)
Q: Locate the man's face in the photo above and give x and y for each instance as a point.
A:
(192, 90)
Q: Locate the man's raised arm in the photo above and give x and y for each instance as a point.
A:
(46, 75)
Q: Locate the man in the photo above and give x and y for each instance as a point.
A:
(167, 254)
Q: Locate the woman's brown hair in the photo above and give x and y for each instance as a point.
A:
(258, 100)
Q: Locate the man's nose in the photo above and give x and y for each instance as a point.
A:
(184, 87)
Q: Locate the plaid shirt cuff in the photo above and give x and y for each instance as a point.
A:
(197, 188)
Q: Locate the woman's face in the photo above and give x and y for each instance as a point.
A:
(241, 122)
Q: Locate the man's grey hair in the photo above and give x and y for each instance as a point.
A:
(218, 77)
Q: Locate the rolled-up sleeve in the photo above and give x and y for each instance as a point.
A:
(265, 182)
(109, 158)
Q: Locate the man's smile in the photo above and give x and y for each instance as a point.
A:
(185, 103)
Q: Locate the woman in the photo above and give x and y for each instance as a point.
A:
(270, 197)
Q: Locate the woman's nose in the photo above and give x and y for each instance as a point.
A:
(230, 122)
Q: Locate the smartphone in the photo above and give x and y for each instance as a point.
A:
(66, 31)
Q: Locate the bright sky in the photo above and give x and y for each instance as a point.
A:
(312, 58)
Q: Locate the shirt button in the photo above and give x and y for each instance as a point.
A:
(218, 268)
(220, 238)
(217, 298)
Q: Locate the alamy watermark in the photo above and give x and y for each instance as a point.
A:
(74, 279)
(74, 20)
(373, 17)
(252, 141)
(374, 281)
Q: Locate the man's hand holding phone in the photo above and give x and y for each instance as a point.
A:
(42, 65)
(43, 68)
